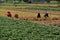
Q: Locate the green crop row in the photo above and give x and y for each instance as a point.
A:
(44, 8)
(11, 29)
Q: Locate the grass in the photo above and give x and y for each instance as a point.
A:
(11, 29)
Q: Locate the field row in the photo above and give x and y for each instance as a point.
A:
(10, 4)
(54, 18)
(32, 8)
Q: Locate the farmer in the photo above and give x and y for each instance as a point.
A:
(9, 14)
(38, 16)
(16, 16)
(46, 15)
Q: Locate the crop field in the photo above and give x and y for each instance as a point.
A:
(11, 4)
(28, 26)
(12, 29)
(28, 14)
(53, 7)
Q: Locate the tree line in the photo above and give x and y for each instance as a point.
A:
(29, 1)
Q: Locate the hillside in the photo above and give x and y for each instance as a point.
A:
(11, 29)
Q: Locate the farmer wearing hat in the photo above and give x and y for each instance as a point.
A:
(46, 15)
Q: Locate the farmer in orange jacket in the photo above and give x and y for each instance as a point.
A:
(16, 16)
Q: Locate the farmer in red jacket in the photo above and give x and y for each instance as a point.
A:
(9, 14)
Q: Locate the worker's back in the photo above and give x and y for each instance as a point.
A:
(38, 16)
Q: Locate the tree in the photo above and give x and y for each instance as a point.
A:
(29, 2)
(25, 0)
(1, 1)
(48, 1)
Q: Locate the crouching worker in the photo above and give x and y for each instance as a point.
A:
(16, 16)
(46, 15)
(9, 14)
(38, 16)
